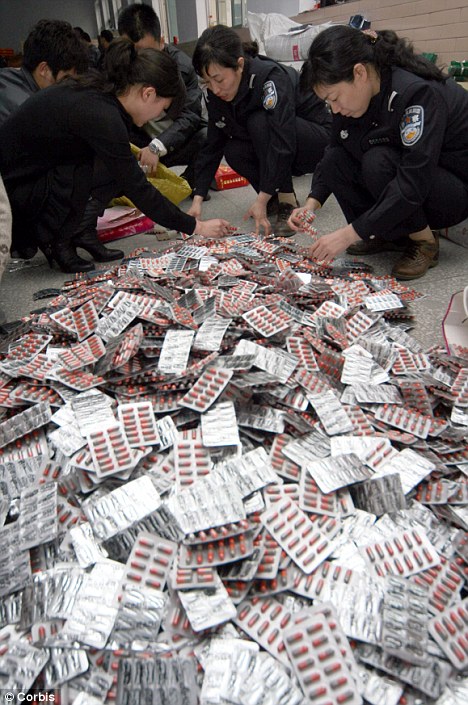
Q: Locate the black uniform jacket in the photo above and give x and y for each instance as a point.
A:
(426, 121)
(64, 125)
(265, 85)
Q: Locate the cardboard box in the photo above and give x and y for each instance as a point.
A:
(226, 178)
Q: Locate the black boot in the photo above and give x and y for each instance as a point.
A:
(88, 240)
(64, 254)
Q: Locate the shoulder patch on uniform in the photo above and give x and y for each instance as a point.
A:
(412, 125)
(270, 96)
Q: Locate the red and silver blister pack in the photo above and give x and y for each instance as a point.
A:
(450, 631)
(303, 542)
(318, 663)
(405, 554)
(207, 389)
(150, 562)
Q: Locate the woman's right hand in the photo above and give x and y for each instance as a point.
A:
(208, 229)
(294, 220)
(196, 207)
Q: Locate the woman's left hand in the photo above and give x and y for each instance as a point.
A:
(330, 246)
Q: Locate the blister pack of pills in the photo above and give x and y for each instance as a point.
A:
(405, 554)
(450, 631)
(318, 663)
(292, 529)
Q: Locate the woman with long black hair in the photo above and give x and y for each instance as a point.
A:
(398, 158)
(260, 122)
(70, 141)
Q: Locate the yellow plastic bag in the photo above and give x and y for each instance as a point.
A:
(173, 187)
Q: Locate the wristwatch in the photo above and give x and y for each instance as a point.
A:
(157, 147)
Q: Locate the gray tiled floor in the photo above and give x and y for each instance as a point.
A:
(19, 286)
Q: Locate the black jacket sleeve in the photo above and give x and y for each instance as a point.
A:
(209, 158)
(103, 127)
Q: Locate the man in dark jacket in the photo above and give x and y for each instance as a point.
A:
(174, 142)
(51, 51)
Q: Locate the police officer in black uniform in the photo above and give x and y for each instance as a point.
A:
(398, 158)
(260, 122)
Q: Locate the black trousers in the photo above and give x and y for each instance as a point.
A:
(49, 207)
(248, 157)
(357, 185)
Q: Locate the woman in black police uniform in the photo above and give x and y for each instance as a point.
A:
(48, 150)
(262, 124)
(398, 158)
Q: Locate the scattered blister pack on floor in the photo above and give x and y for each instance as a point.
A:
(229, 474)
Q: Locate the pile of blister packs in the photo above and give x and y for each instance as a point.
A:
(230, 475)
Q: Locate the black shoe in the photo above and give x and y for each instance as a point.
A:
(64, 254)
(88, 240)
(281, 227)
(376, 245)
(24, 252)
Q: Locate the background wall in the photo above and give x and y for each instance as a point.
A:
(18, 16)
(439, 26)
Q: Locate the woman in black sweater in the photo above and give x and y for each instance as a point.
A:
(70, 141)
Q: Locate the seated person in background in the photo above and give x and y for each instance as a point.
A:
(48, 170)
(266, 129)
(93, 51)
(51, 51)
(398, 158)
(174, 142)
(104, 39)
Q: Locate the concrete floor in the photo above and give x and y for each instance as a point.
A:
(19, 284)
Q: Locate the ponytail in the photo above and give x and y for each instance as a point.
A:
(124, 67)
(336, 50)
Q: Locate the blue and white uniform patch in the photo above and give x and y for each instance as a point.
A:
(412, 125)
(270, 96)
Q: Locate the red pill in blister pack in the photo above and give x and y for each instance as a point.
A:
(324, 582)
(301, 349)
(110, 450)
(27, 347)
(357, 325)
(139, 423)
(276, 493)
(312, 499)
(78, 379)
(444, 582)
(407, 553)
(207, 389)
(361, 423)
(264, 620)
(150, 561)
(269, 564)
(450, 631)
(192, 461)
(318, 663)
(267, 322)
(224, 531)
(86, 353)
(85, 320)
(296, 534)
(411, 421)
(192, 578)
(234, 548)
(282, 465)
